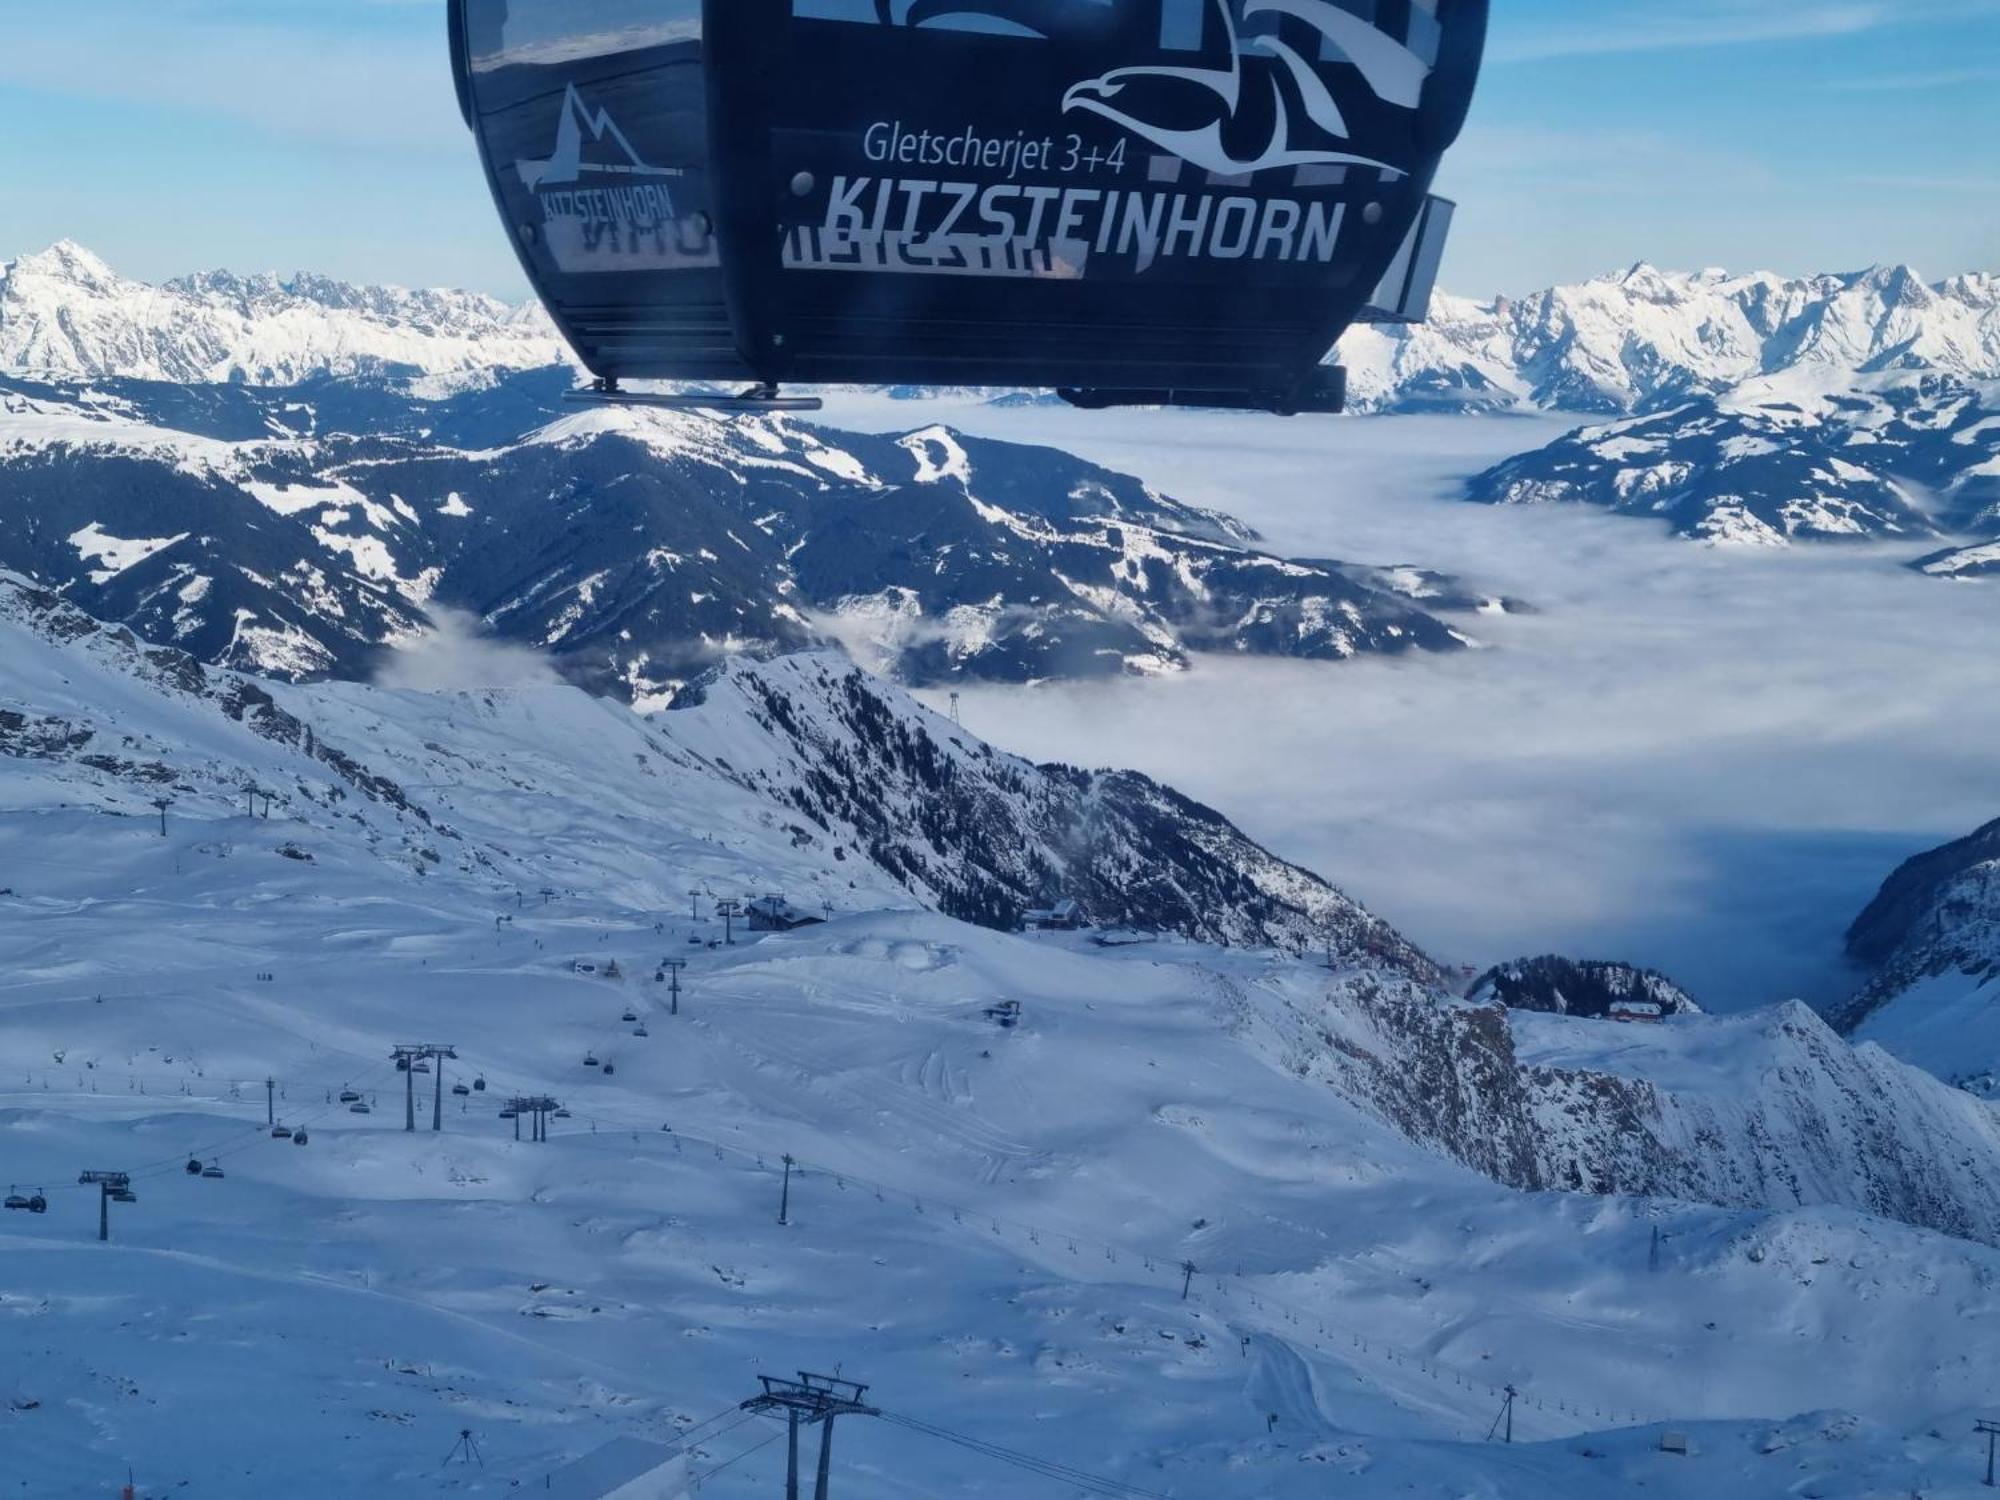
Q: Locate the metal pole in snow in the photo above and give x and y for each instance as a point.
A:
(785, 1203)
(270, 1106)
(437, 1093)
(1187, 1278)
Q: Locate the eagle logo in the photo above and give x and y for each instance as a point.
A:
(1256, 102)
(1201, 112)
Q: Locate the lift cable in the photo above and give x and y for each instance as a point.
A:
(1096, 1484)
(705, 1475)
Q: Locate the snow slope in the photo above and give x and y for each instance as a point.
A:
(987, 1224)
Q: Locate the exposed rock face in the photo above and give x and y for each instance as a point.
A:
(984, 835)
(1930, 941)
(1768, 1109)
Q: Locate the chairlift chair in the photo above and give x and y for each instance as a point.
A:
(460, 1090)
(18, 1201)
(510, 1114)
(402, 1065)
(479, 1085)
(213, 1172)
(124, 1195)
(590, 1060)
(348, 1096)
(193, 1167)
(358, 1108)
(281, 1132)
(640, 1031)
(420, 1066)
(37, 1204)
(1178, 202)
(562, 1114)
(629, 1017)
(609, 1069)
(299, 1138)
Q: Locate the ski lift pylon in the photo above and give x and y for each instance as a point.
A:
(1132, 201)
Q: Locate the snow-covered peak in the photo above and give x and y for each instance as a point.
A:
(66, 260)
(1645, 338)
(65, 313)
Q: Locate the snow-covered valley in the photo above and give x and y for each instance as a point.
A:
(989, 1223)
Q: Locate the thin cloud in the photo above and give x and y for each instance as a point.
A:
(454, 656)
(1723, 23)
(1898, 83)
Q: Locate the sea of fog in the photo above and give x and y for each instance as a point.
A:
(1700, 759)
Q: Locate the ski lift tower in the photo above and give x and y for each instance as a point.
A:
(810, 1398)
(109, 1185)
(539, 1107)
(406, 1058)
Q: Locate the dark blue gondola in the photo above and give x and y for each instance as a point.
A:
(1182, 201)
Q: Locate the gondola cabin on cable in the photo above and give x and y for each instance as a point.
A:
(1130, 201)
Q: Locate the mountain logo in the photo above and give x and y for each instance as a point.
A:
(605, 208)
(588, 143)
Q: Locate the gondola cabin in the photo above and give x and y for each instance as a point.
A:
(1157, 201)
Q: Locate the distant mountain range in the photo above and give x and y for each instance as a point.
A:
(297, 531)
(1648, 340)
(286, 474)
(66, 315)
(1903, 453)
(1643, 340)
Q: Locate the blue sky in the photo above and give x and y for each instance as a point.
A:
(1797, 135)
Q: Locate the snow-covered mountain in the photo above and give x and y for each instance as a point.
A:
(1769, 1108)
(1646, 340)
(863, 776)
(982, 836)
(1930, 941)
(1903, 454)
(298, 530)
(1635, 341)
(1963, 564)
(1578, 987)
(65, 314)
(1201, 1218)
